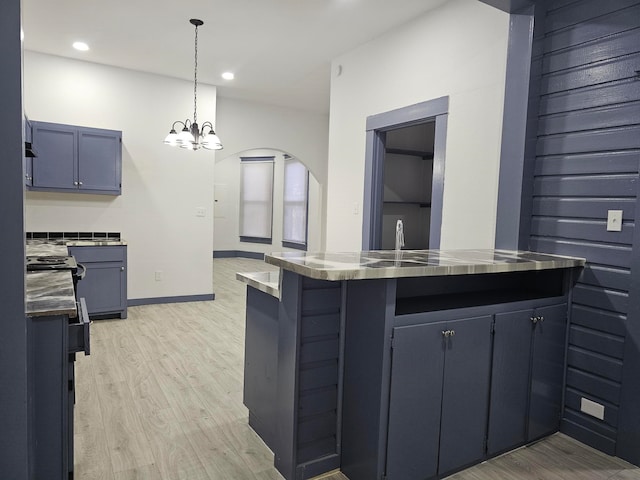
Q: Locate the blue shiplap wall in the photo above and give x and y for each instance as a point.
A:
(318, 381)
(586, 145)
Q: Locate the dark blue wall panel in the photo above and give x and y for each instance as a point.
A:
(586, 133)
(14, 398)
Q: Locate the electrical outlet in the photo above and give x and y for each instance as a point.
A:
(614, 221)
(592, 408)
(200, 212)
(158, 275)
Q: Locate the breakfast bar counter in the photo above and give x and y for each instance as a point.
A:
(405, 365)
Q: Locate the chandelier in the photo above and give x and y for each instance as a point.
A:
(192, 137)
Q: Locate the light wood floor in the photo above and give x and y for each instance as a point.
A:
(160, 398)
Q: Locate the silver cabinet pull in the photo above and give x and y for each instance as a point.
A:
(122, 269)
(452, 332)
(75, 183)
(448, 333)
(79, 183)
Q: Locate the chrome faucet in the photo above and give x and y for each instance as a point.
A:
(399, 235)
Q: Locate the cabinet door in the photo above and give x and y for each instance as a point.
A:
(99, 160)
(102, 287)
(510, 380)
(415, 402)
(55, 165)
(465, 393)
(547, 370)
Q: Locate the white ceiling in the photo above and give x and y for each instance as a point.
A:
(279, 50)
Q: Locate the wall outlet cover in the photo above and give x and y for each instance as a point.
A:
(592, 408)
(614, 221)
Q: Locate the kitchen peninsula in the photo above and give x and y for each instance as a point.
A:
(405, 365)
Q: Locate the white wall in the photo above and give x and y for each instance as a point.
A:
(457, 50)
(161, 186)
(227, 208)
(245, 126)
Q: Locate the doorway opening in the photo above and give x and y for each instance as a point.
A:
(404, 176)
(407, 178)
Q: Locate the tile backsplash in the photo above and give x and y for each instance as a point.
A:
(73, 235)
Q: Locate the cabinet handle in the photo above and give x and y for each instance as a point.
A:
(446, 333)
(534, 320)
(79, 183)
(75, 183)
(452, 332)
(122, 269)
(541, 319)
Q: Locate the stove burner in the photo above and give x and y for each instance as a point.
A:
(51, 260)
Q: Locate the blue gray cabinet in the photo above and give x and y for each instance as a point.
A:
(105, 284)
(527, 376)
(76, 159)
(439, 397)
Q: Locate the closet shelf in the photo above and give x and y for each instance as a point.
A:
(420, 204)
(412, 153)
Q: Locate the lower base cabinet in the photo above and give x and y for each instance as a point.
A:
(105, 283)
(460, 390)
(439, 397)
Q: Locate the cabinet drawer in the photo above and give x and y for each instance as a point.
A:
(114, 253)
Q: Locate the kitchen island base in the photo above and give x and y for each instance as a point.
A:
(412, 378)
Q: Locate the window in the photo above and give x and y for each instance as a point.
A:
(296, 197)
(256, 199)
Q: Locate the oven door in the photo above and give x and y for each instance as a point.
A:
(79, 332)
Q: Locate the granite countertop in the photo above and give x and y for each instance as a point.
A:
(267, 282)
(415, 263)
(50, 293)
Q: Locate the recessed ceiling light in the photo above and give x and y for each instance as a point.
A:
(228, 76)
(83, 47)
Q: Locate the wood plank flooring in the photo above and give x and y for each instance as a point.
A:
(160, 398)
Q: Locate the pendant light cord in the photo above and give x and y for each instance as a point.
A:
(195, 81)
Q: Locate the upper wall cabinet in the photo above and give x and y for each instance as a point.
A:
(76, 159)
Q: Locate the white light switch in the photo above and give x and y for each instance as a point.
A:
(614, 221)
(592, 408)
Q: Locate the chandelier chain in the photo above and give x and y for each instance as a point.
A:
(195, 81)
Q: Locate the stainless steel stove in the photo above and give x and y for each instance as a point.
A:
(52, 263)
